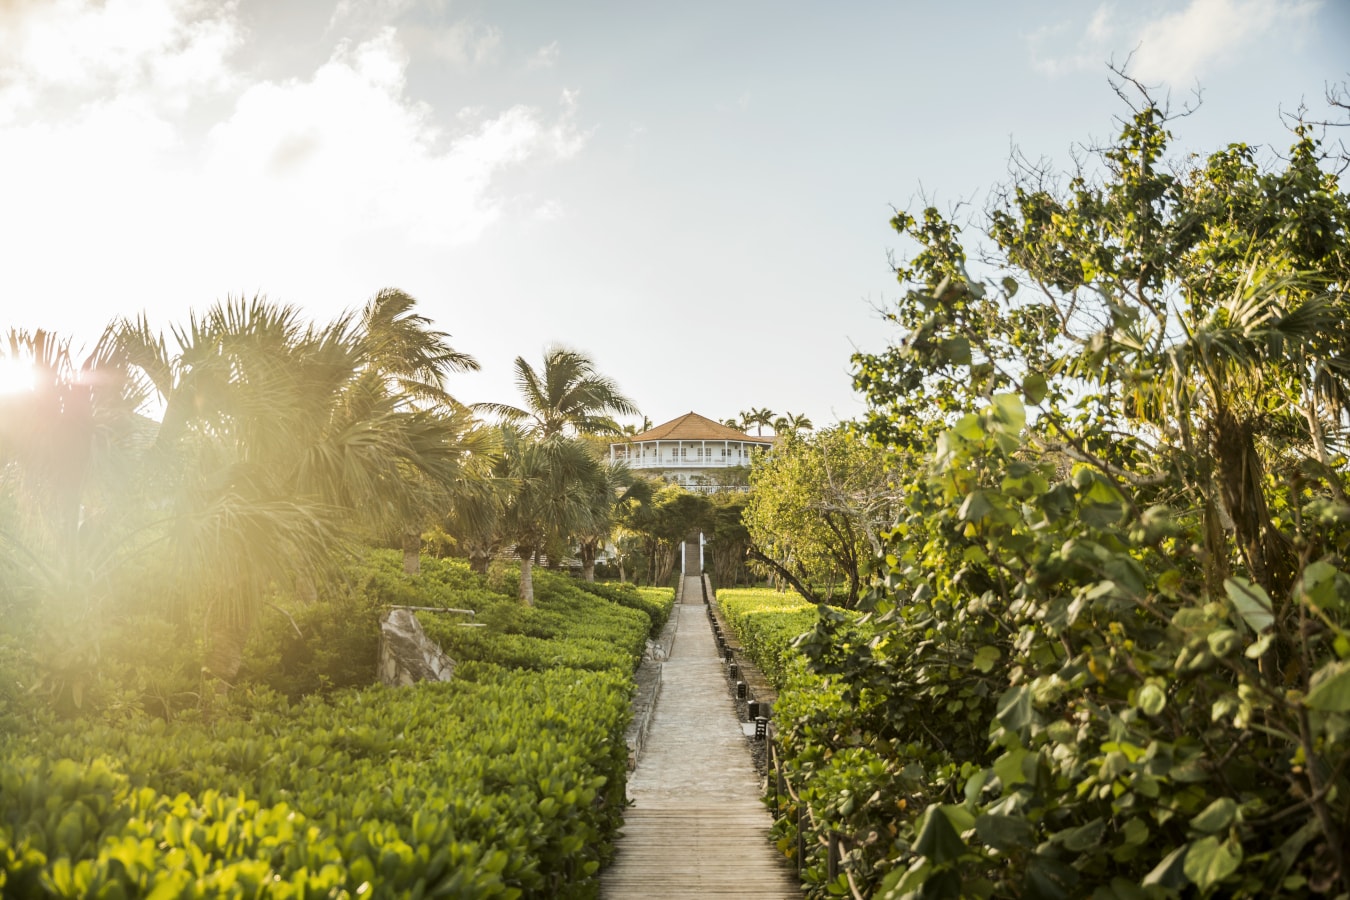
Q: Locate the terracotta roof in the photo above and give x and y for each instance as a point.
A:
(693, 427)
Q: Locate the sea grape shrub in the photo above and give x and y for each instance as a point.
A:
(500, 784)
(767, 623)
(568, 626)
(1112, 648)
(655, 602)
(1052, 707)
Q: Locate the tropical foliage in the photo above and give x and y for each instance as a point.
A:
(566, 396)
(279, 445)
(507, 782)
(818, 510)
(1110, 652)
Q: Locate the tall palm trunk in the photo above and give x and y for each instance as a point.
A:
(589, 546)
(412, 552)
(1269, 555)
(526, 574)
(226, 635)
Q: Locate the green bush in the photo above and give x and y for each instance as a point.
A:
(506, 782)
(655, 602)
(767, 623)
(501, 783)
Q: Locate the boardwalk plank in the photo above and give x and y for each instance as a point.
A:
(696, 826)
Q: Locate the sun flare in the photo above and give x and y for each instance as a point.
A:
(16, 376)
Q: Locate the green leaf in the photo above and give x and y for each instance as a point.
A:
(1008, 768)
(1259, 646)
(1009, 411)
(1168, 873)
(1330, 690)
(1084, 836)
(1252, 602)
(1120, 889)
(1151, 699)
(1014, 708)
(1318, 582)
(1135, 831)
(1223, 642)
(985, 658)
(968, 427)
(1209, 861)
(937, 839)
(1004, 833)
(1216, 817)
(975, 507)
(1034, 388)
(956, 351)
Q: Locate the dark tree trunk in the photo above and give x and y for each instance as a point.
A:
(1269, 554)
(755, 553)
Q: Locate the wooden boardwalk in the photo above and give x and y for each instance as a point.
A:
(696, 826)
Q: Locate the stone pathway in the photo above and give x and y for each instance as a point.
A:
(696, 826)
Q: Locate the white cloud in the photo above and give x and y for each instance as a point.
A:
(112, 195)
(546, 57)
(467, 44)
(168, 51)
(1178, 47)
(1174, 47)
(348, 150)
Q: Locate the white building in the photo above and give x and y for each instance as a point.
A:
(692, 451)
(696, 453)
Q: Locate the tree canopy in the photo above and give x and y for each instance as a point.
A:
(1110, 651)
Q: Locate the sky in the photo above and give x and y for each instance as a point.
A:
(697, 195)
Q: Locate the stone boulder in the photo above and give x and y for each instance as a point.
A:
(407, 655)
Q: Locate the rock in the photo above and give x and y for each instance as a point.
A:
(407, 655)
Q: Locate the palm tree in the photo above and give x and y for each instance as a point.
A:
(410, 360)
(549, 492)
(566, 395)
(70, 449)
(402, 346)
(293, 441)
(791, 423)
(616, 489)
(759, 417)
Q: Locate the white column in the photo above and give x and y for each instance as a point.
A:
(684, 570)
(700, 553)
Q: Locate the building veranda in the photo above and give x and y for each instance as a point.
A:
(696, 453)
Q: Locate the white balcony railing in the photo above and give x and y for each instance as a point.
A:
(695, 463)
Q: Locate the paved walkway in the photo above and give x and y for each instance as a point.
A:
(696, 826)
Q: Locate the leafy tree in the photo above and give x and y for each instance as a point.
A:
(728, 538)
(817, 509)
(615, 489)
(566, 395)
(663, 524)
(1111, 656)
(280, 444)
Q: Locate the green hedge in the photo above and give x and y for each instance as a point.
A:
(568, 626)
(655, 602)
(506, 782)
(766, 623)
(499, 784)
